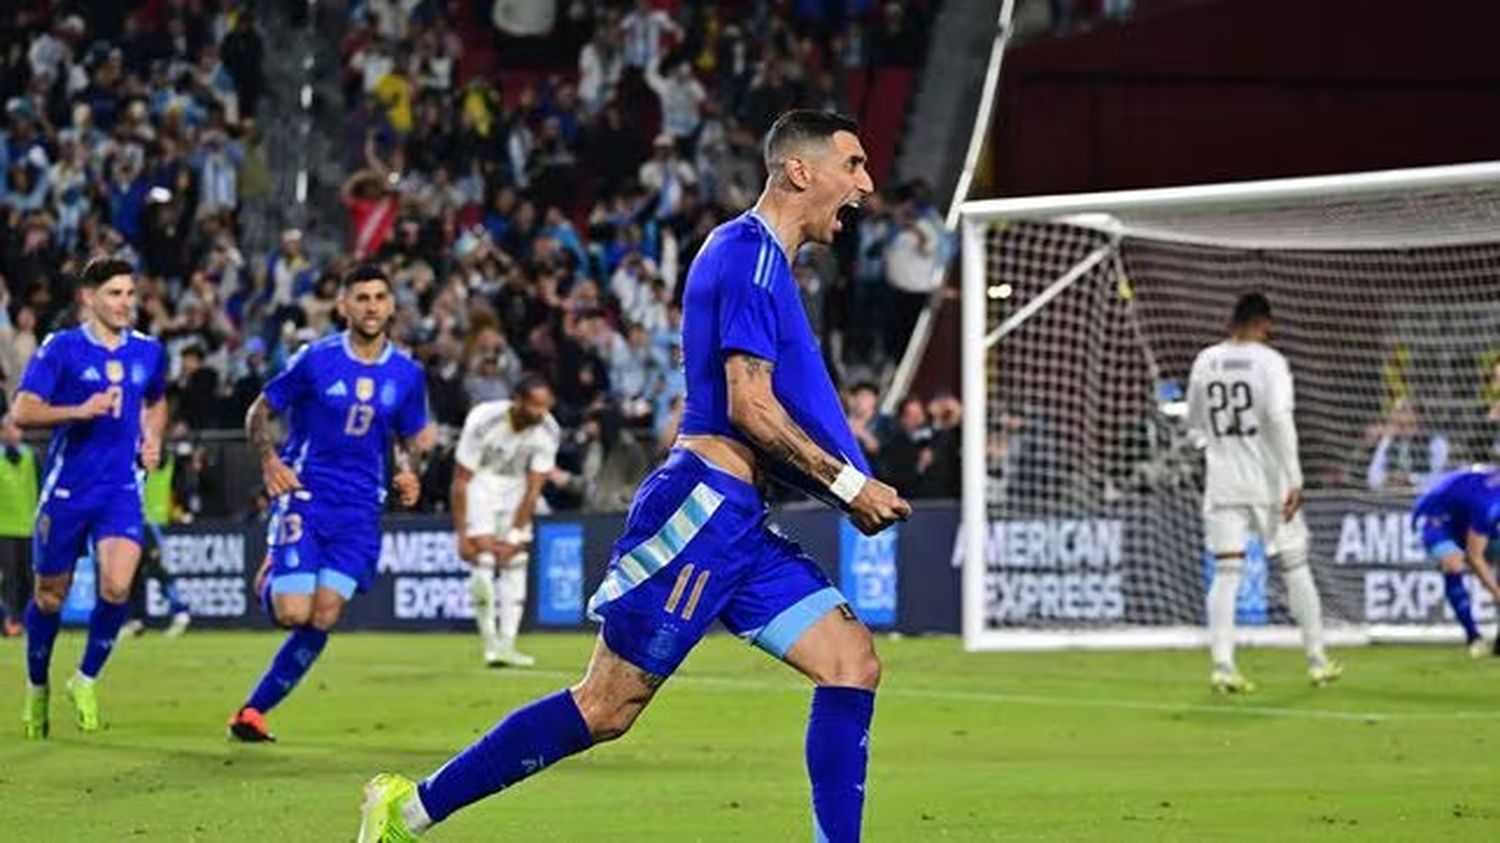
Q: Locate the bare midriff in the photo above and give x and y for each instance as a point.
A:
(733, 457)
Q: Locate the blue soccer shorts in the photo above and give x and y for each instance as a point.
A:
(66, 521)
(319, 547)
(696, 549)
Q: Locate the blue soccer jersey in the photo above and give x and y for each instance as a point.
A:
(342, 412)
(1457, 503)
(741, 297)
(68, 368)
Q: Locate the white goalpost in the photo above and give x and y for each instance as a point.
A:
(1080, 317)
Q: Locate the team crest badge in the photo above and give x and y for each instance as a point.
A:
(364, 389)
(388, 394)
(114, 370)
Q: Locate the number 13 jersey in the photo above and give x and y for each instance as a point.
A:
(1240, 403)
(342, 412)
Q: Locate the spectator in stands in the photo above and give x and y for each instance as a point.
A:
(906, 453)
(944, 474)
(667, 176)
(911, 256)
(643, 33)
(599, 67)
(870, 428)
(1407, 453)
(196, 391)
(682, 97)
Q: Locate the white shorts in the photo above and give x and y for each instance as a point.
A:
(491, 514)
(1228, 529)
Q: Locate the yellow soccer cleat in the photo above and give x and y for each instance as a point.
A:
(85, 704)
(1230, 681)
(1322, 674)
(34, 716)
(380, 817)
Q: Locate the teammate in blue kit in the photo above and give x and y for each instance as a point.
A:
(99, 387)
(696, 547)
(345, 396)
(1459, 517)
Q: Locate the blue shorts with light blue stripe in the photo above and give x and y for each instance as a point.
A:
(696, 549)
(314, 547)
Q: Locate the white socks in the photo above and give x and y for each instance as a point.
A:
(1221, 600)
(1302, 599)
(511, 596)
(482, 590)
(414, 813)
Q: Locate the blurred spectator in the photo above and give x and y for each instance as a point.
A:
(1406, 453)
(912, 253)
(944, 473)
(196, 391)
(599, 68)
(643, 32)
(906, 453)
(667, 176)
(682, 97)
(870, 428)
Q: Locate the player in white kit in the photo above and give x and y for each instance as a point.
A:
(1240, 406)
(505, 454)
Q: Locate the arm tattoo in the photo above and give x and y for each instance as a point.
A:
(774, 431)
(258, 429)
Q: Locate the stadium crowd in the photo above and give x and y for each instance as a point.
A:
(533, 222)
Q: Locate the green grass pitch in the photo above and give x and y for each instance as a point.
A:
(1054, 746)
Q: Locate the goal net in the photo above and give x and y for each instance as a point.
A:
(1082, 315)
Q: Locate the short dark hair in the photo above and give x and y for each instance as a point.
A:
(1250, 308)
(100, 270)
(865, 386)
(366, 272)
(530, 382)
(801, 124)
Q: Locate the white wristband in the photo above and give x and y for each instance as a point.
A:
(847, 485)
(517, 535)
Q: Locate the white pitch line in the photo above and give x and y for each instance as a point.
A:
(1074, 702)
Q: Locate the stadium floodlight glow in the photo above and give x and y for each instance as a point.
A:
(1081, 485)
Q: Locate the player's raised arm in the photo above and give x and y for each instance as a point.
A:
(755, 411)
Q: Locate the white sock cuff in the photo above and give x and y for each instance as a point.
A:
(414, 813)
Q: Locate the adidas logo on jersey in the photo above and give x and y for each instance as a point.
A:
(338, 389)
(90, 374)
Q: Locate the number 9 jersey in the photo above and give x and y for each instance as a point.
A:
(1240, 404)
(98, 454)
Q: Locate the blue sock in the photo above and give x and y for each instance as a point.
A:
(104, 628)
(287, 668)
(1458, 598)
(527, 740)
(175, 604)
(41, 634)
(838, 750)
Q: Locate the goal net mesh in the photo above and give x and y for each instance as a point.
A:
(1386, 307)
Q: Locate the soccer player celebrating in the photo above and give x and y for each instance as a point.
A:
(99, 387)
(696, 547)
(505, 453)
(1240, 404)
(345, 396)
(1459, 516)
